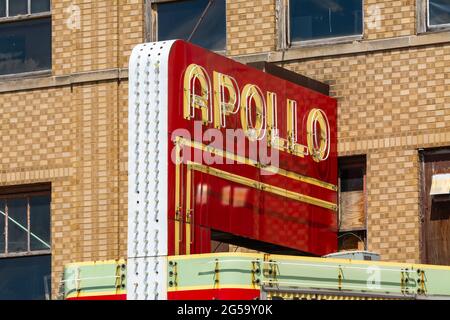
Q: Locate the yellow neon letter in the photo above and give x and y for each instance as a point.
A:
(291, 127)
(272, 119)
(254, 131)
(318, 135)
(224, 108)
(193, 76)
(291, 122)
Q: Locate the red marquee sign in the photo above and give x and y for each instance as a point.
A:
(218, 145)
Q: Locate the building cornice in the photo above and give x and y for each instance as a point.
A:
(33, 82)
(49, 81)
(349, 48)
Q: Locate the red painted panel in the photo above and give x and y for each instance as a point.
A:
(214, 294)
(107, 297)
(211, 294)
(241, 210)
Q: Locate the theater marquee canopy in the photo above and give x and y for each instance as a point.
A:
(215, 145)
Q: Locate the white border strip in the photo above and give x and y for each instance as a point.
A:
(147, 171)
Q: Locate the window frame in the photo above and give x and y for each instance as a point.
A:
(444, 26)
(423, 19)
(151, 22)
(24, 17)
(33, 191)
(28, 15)
(353, 162)
(284, 40)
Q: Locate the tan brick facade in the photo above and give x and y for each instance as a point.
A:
(251, 26)
(76, 136)
(387, 19)
(391, 103)
(102, 39)
(393, 219)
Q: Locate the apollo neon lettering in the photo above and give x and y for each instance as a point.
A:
(215, 107)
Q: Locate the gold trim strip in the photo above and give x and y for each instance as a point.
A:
(243, 160)
(262, 186)
(177, 195)
(318, 296)
(188, 210)
(94, 263)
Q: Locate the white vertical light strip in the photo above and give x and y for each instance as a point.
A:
(133, 169)
(147, 171)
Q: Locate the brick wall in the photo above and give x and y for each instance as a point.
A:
(387, 19)
(390, 104)
(102, 39)
(393, 204)
(75, 139)
(397, 94)
(250, 26)
(76, 136)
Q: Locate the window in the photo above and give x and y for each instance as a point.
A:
(352, 203)
(433, 15)
(201, 22)
(24, 223)
(435, 205)
(313, 20)
(12, 8)
(25, 278)
(25, 242)
(438, 13)
(25, 36)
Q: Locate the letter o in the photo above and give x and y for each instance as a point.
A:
(258, 128)
(318, 123)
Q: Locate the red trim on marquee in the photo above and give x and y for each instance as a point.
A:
(214, 294)
(106, 297)
(207, 294)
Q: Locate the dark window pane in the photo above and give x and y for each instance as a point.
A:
(40, 6)
(27, 278)
(2, 8)
(352, 179)
(17, 7)
(25, 46)
(176, 20)
(2, 226)
(40, 223)
(439, 12)
(17, 225)
(312, 19)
